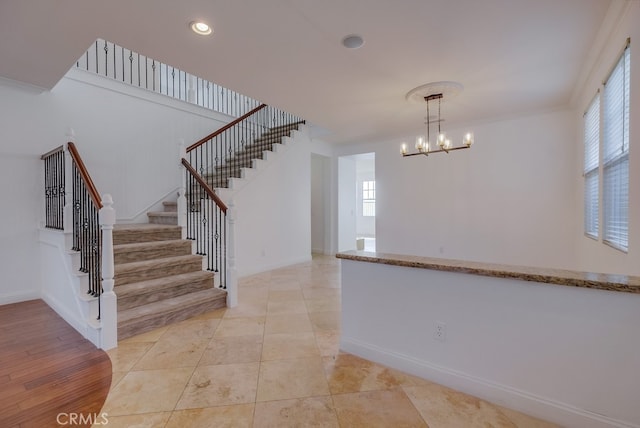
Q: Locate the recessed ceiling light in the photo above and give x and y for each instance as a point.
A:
(201, 28)
(352, 41)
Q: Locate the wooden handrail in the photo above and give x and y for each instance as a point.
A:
(52, 152)
(224, 128)
(209, 190)
(91, 188)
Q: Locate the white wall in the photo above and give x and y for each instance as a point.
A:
(320, 203)
(273, 226)
(565, 354)
(509, 199)
(22, 194)
(346, 203)
(594, 255)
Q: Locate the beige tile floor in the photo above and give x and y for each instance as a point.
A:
(273, 361)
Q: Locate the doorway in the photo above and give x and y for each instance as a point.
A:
(357, 202)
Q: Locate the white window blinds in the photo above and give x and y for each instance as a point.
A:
(591, 165)
(615, 155)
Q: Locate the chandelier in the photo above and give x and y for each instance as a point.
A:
(431, 94)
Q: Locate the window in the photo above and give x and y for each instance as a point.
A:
(591, 164)
(615, 155)
(606, 159)
(369, 198)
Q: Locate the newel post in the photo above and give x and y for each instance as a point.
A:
(108, 299)
(232, 273)
(182, 190)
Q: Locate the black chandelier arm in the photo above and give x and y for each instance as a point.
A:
(434, 151)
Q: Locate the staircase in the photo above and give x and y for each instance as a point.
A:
(244, 158)
(158, 279)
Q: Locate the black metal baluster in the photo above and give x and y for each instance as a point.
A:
(216, 241)
(57, 185)
(173, 82)
(47, 192)
(138, 70)
(153, 70)
(54, 191)
(106, 57)
(189, 191)
(131, 67)
(122, 55)
(83, 234)
(207, 97)
(179, 85)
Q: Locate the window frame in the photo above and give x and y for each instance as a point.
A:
(611, 169)
(368, 198)
(591, 167)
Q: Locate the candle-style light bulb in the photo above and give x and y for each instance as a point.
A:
(468, 139)
(419, 143)
(404, 149)
(441, 139)
(447, 144)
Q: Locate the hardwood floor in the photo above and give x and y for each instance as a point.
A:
(49, 374)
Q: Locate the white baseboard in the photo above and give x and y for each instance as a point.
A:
(79, 324)
(522, 401)
(23, 296)
(271, 266)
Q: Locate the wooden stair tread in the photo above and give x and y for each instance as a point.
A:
(164, 282)
(137, 246)
(170, 206)
(146, 264)
(162, 213)
(120, 227)
(170, 304)
(153, 315)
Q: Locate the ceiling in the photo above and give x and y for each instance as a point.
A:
(512, 56)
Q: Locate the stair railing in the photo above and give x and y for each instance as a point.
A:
(206, 222)
(220, 155)
(210, 163)
(87, 238)
(115, 62)
(91, 227)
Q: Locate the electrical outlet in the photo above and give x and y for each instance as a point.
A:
(440, 331)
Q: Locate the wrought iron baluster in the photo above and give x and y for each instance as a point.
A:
(173, 82)
(47, 192)
(122, 55)
(153, 71)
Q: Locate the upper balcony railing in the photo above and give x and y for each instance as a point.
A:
(124, 65)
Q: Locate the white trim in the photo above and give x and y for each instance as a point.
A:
(272, 266)
(522, 401)
(79, 324)
(21, 296)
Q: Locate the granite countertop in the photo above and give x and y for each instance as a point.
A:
(601, 281)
